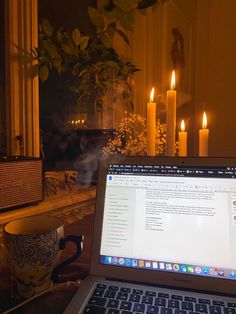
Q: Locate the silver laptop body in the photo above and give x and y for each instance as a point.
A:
(164, 238)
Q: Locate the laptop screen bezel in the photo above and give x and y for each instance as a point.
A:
(208, 284)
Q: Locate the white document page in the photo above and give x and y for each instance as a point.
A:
(177, 219)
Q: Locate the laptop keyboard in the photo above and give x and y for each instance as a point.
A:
(116, 299)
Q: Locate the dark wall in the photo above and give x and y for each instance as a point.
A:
(67, 13)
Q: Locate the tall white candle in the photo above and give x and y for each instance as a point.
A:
(151, 125)
(203, 137)
(171, 118)
(183, 140)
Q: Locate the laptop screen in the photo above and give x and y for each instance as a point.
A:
(170, 218)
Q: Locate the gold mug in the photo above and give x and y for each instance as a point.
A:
(34, 246)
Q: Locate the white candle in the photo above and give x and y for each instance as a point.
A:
(171, 118)
(203, 137)
(151, 125)
(183, 140)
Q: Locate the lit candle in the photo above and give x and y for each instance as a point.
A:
(151, 125)
(171, 118)
(182, 140)
(203, 137)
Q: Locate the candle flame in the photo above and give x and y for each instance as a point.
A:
(204, 121)
(182, 127)
(172, 85)
(152, 95)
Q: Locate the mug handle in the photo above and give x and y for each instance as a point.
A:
(78, 240)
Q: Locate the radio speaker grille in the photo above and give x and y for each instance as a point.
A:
(21, 182)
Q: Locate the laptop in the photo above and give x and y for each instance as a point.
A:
(164, 238)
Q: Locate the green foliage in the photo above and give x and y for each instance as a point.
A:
(76, 36)
(96, 18)
(123, 36)
(47, 28)
(94, 64)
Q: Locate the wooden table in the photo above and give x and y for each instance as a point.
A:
(54, 302)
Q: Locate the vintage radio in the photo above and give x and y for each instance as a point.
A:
(21, 181)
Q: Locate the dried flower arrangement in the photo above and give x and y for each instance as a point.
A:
(130, 137)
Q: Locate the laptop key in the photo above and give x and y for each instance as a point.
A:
(176, 297)
(113, 288)
(173, 304)
(113, 303)
(147, 300)
(229, 310)
(166, 310)
(202, 308)
(152, 309)
(110, 294)
(160, 302)
(188, 306)
(92, 309)
(125, 305)
(137, 291)
(98, 292)
(150, 293)
(113, 311)
(219, 303)
(126, 312)
(177, 311)
(135, 298)
(163, 295)
(139, 308)
(190, 299)
(231, 304)
(215, 309)
(204, 301)
(122, 296)
(97, 301)
(101, 286)
(128, 290)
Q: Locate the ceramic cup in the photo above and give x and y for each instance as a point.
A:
(34, 246)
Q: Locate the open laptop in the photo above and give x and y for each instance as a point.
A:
(164, 238)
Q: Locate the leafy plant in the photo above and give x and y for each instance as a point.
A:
(94, 64)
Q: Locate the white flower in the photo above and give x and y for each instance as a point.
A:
(130, 137)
